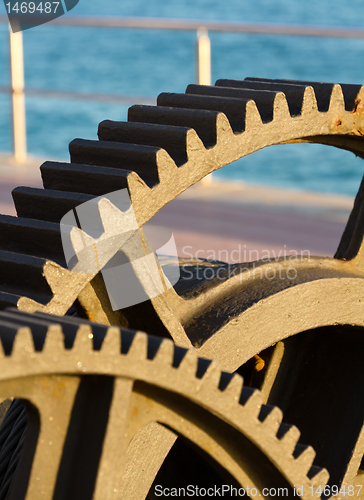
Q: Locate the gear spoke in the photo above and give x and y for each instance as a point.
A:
(147, 452)
(51, 402)
(112, 463)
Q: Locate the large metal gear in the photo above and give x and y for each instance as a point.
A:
(105, 407)
(159, 153)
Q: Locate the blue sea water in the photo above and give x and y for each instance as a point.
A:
(147, 62)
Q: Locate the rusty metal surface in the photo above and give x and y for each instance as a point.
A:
(245, 310)
(140, 394)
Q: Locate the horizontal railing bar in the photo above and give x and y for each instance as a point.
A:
(84, 96)
(193, 24)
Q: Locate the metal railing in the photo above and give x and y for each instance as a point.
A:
(203, 57)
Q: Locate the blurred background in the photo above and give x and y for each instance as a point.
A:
(145, 62)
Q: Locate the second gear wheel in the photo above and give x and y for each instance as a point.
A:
(160, 152)
(105, 408)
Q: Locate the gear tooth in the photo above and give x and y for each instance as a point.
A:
(54, 341)
(235, 387)
(110, 216)
(289, 436)
(45, 204)
(111, 344)
(2, 350)
(26, 273)
(319, 477)
(202, 121)
(117, 155)
(8, 300)
(264, 100)
(178, 142)
(193, 143)
(139, 347)
(353, 95)
(309, 102)
(252, 116)
(165, 352)
(252, 400)
(280, 107)
(337, 101)
(33, 234)
(165, 165)
(271, 417)
(234, 109)
(212, 375)
(223, 127)
(304, 456)
(189, 363)
(83, 339)
(23, 342)
(87, 179)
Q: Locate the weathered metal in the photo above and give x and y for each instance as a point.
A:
(105, 407)
(246, 309)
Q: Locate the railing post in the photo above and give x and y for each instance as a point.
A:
(203, 57)
(18, 98)
(204, 71)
